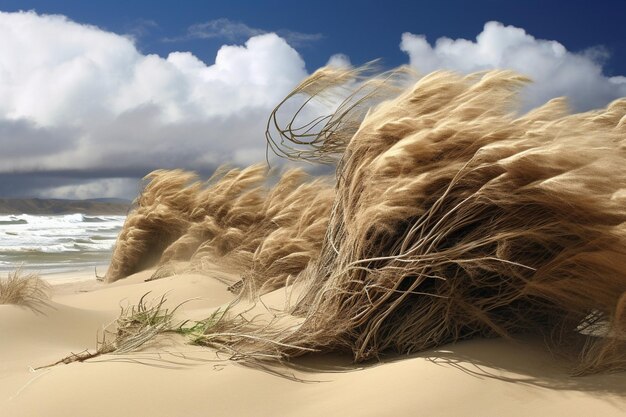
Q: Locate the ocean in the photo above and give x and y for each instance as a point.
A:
(57, 243)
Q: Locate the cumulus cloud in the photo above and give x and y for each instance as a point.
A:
(234, 31)
(78, 98)
(83, 113)
(554, 70)
(339, 61)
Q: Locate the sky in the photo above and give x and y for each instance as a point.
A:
(94, 95)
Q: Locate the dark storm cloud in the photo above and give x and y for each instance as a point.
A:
(23, 137)
(14, 185)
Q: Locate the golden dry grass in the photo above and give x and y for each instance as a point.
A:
(265, 232)
(455, 218)
(137, 325)
(452, 217)
(27, 290)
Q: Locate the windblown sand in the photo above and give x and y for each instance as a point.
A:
(172, 378)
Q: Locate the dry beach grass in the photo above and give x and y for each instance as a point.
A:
(452, 217)
(24, 289)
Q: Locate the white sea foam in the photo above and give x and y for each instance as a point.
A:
(54, 242)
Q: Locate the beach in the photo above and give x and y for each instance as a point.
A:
(216, 210)
(170, 377)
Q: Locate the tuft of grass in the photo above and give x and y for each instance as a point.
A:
(196, 331)
(28, 290)
(141, 323)
(135, 326)
(138, 324)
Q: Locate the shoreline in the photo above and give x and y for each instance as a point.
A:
(56, 277)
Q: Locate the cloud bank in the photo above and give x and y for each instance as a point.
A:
(85, 114)
(78, 98)
(554, 70)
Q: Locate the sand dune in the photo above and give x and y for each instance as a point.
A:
(172, 378)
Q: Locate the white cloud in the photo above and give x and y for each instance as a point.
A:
(80, 98)
(82, 111)
(339, 60)
(55, 70)
(554, 70)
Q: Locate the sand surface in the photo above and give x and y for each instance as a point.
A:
(171, 378)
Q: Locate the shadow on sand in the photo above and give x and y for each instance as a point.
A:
(526, 361)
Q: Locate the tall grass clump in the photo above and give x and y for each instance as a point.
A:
(263, 227)
(136, 325)
(452, 216)
(28, 290)
(456, 217)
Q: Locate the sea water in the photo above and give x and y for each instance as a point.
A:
(56, 243)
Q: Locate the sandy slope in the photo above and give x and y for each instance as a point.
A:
(475, 378)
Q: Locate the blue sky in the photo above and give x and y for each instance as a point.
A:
(364, 30)
(97, 94)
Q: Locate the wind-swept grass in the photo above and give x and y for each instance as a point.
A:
(264, 227)
(196, 331)
(136, 325)
(28, 290)
(452, 216)
(456, 217)
(141, 323)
